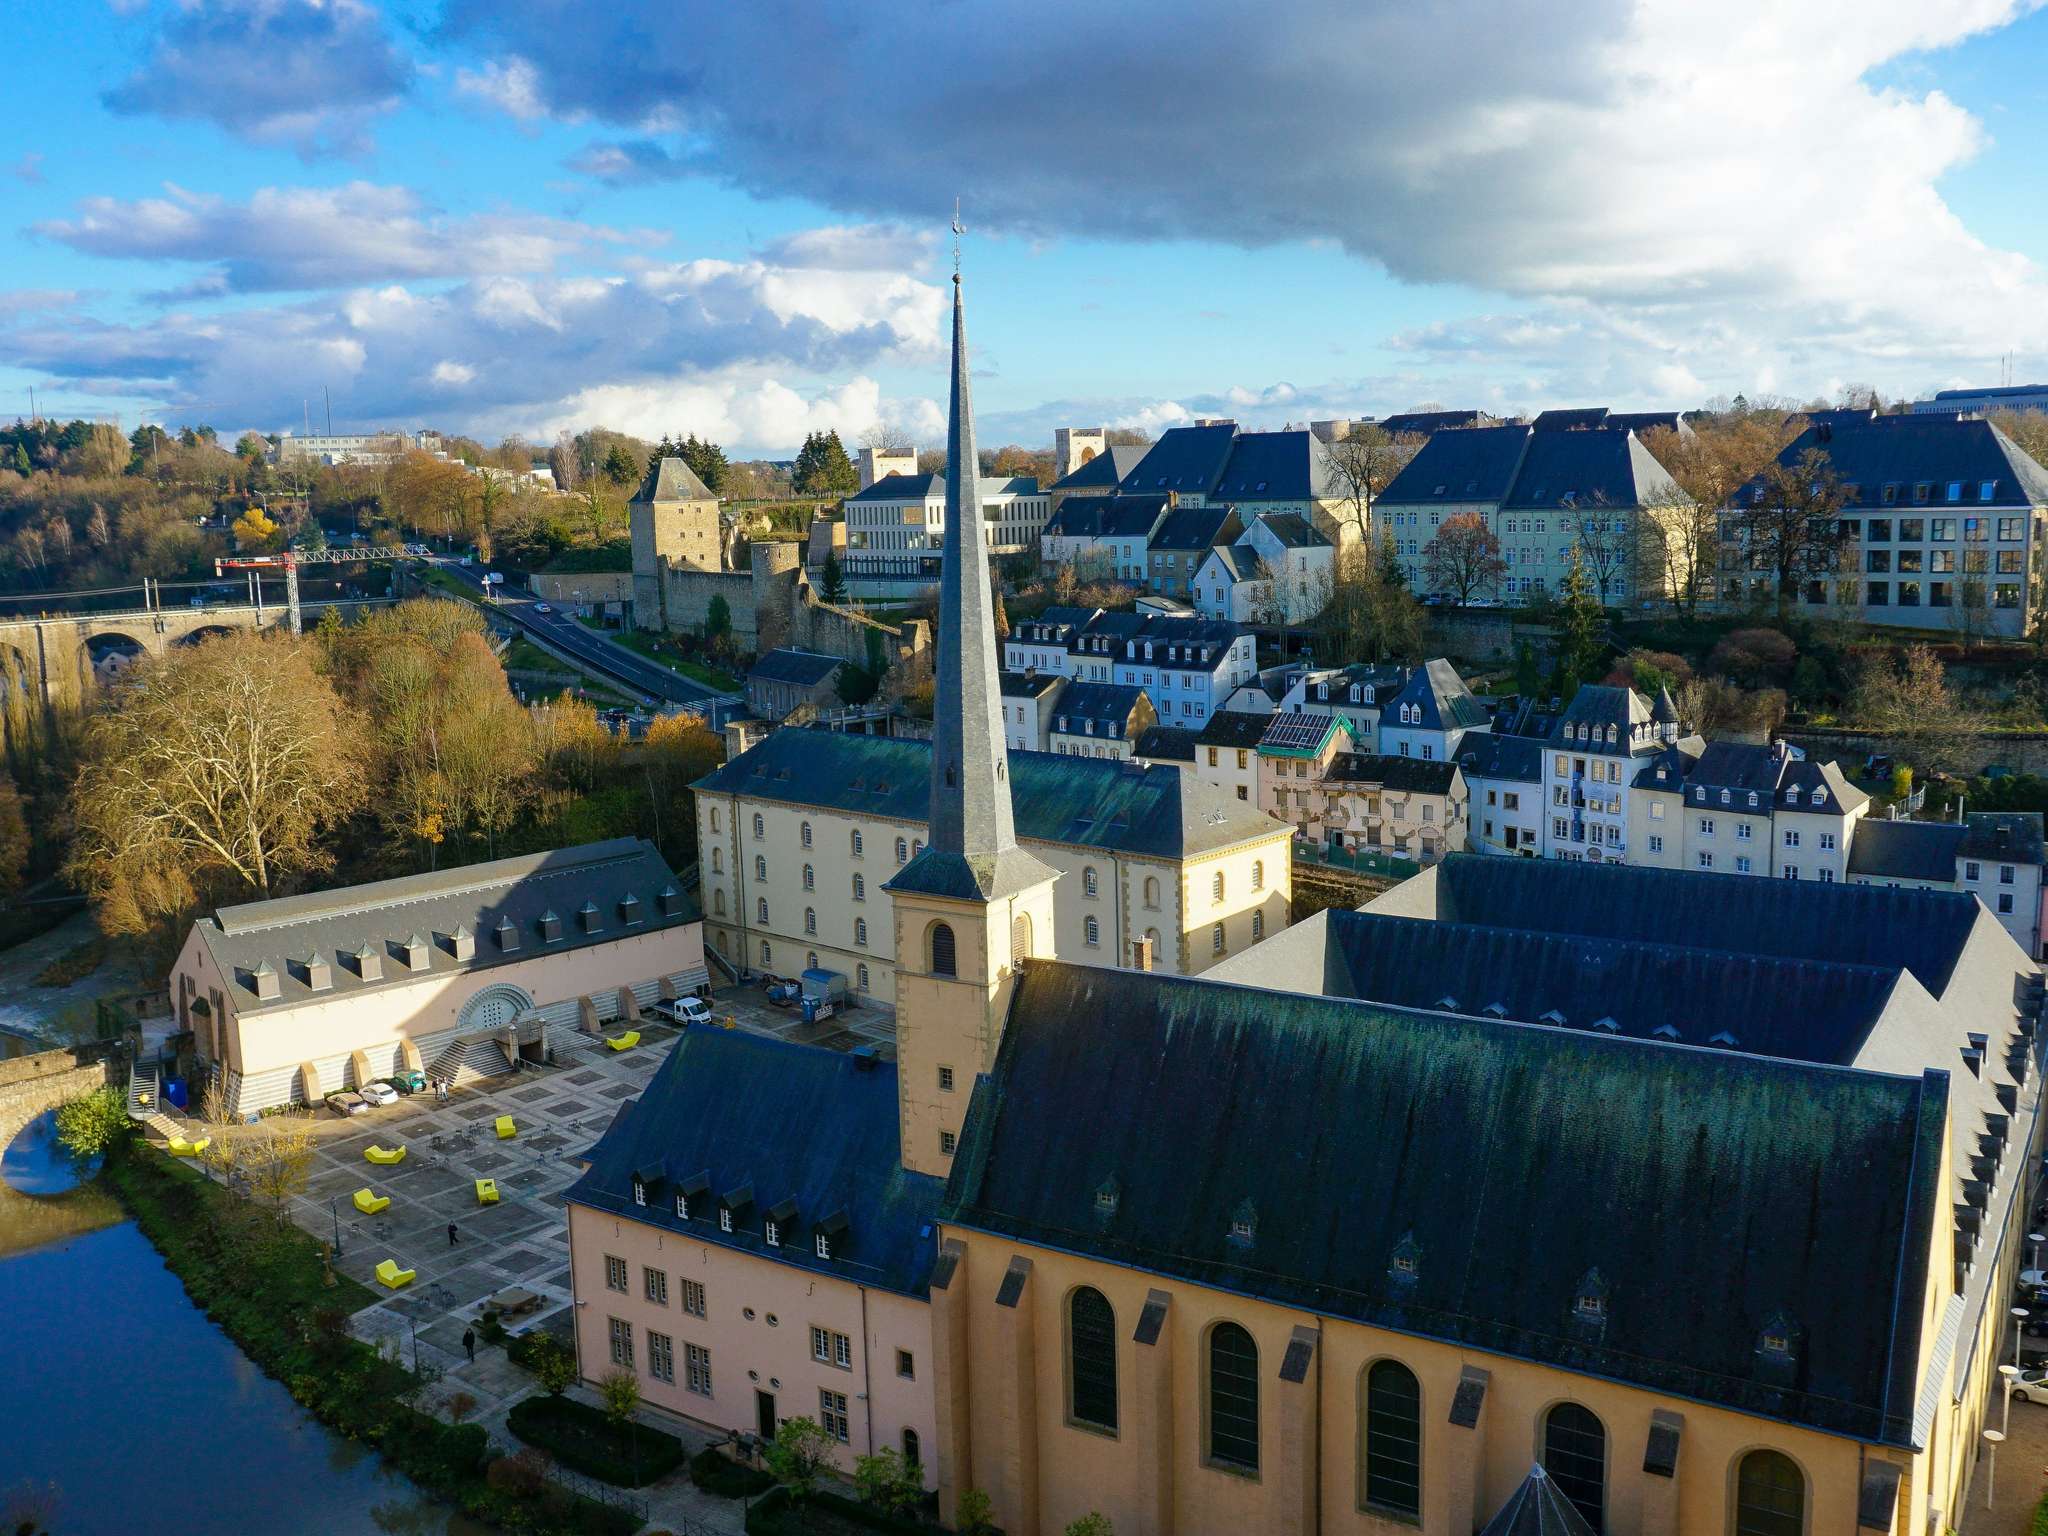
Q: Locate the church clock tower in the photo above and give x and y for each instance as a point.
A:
(973, 904)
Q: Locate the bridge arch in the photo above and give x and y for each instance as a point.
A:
(112, 652)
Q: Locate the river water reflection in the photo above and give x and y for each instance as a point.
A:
(127, 1410)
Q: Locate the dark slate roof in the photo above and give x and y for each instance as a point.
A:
(1740, 767)
(902, 488)
(1924, 931)
(1805, 775)
(1104, 635)
(1091, 802)
(1413, 422)
(791, 1123)
(1104, 470)
(1276, 466)
(1906, 451)
(1447, 704)
(1537, 1508)
(1487, 756)
(1400, 774)
(1240, 562)
(1079, 517)
(1995, 392)
(1234, 728)
(1185, 459)
(671, 479)
(1599, 705)
(1293, 530)
(1028, 685)
(1587, 470)
(1475, 464)
(1166, 743)
(1666, 768)
(1765, 1005)
(1054, 626)
(1906, 850)
(1649, 421)
(1180, 632)
(1134, 517)
(789, 665)
(1202, 527)
(2003, 837)
(1573, 420)
(1103, 703)
(471, 899)
(1518, 1163)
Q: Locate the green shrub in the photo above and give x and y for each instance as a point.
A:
(92, 1125)
(715, 1472)
(584, 1439)
(780, 1514)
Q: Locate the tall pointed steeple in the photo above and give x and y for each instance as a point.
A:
(972, 850)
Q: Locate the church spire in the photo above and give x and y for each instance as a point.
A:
(972, 850)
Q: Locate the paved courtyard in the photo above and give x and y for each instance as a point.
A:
(561, 1110)
(2022, 1478)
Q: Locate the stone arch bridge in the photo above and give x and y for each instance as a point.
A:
(63, 657)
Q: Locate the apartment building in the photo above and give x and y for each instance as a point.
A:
(1189, 665)
(1294, 757)
(1431, 715)
(1742, 808)
(1028, 699)
(1182, 541)
(1280, 570)
(1942, 526)
(1504, 790)
(896, 527)
(1358, 693)
(1595, 494)
(1996, 856)
(1099, 720)
(1227, 752)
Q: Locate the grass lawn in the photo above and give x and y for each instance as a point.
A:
(665, 653)
(522, 655)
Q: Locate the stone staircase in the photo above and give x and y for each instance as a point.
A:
(469, 1059)
(143, 1092)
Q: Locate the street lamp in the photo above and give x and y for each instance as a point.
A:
(1993, 1438)
(2011, 1374)
(2019, 1328)
(2035, 1240)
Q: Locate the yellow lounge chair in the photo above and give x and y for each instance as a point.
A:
(486, 1191)
(625, 1042)
(392, 1276)
(506, 1129)
(180, 1147)
(369, 1202)
(384, 1156)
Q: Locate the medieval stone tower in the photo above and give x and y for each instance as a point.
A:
(673, 519)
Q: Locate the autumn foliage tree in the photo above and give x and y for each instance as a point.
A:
(216, 772)
(1464, 558)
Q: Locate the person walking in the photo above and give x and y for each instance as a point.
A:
(451, 1234)
(469, 1343)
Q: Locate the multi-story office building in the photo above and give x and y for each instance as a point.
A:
(896, 527)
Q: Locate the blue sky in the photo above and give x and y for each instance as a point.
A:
(532, 215)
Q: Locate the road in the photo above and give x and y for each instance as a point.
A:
(565, 634)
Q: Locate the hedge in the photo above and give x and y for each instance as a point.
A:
(715, 1472)
(580, 1436)
(779, 1515)
(269, 1289)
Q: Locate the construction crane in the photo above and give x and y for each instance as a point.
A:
(289, 562)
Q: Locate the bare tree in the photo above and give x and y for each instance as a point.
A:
(1363, 463)
(884, 438)
(1910, 704)
(1789, 523)
(1367, 612)
(1708, 465)
(1464, 558)
(1609, 544)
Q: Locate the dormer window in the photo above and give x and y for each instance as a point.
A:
(725, 1218)
(1752, 797)
(1589, 1300)
(1107, 1195)
(682, 1207)
(1724, 797)
(1775, 1341)
(771, 1233)
(1244, 1223)
(1592, 1308)
(823, 1245)
(639, 1193)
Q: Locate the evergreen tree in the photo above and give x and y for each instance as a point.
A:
(1579, 623)
(706, 458)
(619, 467)
(21, 463)
(1528, 674)
(823, 469)
(834, 589)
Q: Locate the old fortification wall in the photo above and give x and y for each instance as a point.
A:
(31, 1084)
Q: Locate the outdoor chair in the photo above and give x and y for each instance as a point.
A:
(486, 1191)
(384, 1156)
(369, 1202)
(180, 1147)
(625, 1042)
(392, 1276)
(506, 1129)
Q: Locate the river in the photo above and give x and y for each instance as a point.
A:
(127, 1410)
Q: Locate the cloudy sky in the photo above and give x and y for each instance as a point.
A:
(672, 216)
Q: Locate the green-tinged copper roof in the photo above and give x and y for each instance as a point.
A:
(1156, 811)
(1511, 1169)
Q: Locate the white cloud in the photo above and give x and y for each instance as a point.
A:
(321, 237)
(511, 85)
(309, 73)
(1712, 189)
(748, 351)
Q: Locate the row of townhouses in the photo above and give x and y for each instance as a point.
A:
(1187, 665)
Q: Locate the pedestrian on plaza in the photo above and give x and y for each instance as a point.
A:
(469, 1343)
(451, 1234)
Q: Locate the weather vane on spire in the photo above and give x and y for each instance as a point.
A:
(959, 229)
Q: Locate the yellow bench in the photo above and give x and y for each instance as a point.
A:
(384, 1156)
(486, 1191)
(369, 1202)
(625, 1042)
(392, 1276)
(180, 1147)
(506, 1129)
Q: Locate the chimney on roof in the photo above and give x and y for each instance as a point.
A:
(315, 972)
(263, 980)
(417, 952)
(507, 933)
(550, 926)
(587, 917)
(462, 943)
(369, 964)
(629, 909)
(670, 901)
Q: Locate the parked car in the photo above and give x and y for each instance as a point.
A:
(398, 1082)
(684, 1010)
(409, 1081)
(2031, 1386)
(379, 1094)
(345, 1103)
